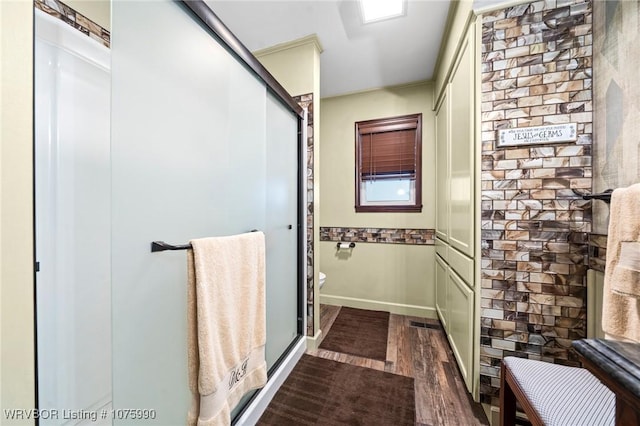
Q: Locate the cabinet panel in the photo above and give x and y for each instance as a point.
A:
(441, 291)
(442, 249)
(462, 265)
(460, 327)
(442, 168)
(461, 202)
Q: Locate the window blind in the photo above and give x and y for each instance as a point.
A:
(388, 150)
(390, 154)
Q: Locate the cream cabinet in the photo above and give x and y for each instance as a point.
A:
(461, 158)
(442, 168)
(460, 302)
(456, 213)
(455, 154)
(441, 291)
(455, 308)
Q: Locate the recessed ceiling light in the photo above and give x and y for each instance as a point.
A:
(377, 10)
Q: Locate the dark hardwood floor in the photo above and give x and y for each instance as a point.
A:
(424, 354)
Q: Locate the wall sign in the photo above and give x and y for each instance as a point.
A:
(538, 135)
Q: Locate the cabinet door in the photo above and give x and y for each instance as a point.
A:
(442, 168)
(441, 291)
(461, 222)
(460, 330)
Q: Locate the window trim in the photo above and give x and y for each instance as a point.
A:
(404, 122)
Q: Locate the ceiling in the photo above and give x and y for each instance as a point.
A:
(356, 57)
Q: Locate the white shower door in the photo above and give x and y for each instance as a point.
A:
(73, 222)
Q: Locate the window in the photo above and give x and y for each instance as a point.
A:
(388, 164)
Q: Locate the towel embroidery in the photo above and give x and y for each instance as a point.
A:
(238, 373)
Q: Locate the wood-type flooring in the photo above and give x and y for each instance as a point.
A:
(424, 354)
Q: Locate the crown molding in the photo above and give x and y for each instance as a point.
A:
(310, 39)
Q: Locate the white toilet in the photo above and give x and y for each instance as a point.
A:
(323, 277)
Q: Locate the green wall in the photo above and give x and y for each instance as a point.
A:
(393, 277)
(337, 154)
(295, 64)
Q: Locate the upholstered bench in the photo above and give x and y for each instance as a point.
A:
(552, 394)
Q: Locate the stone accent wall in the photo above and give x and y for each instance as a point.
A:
(86, 26)
(306, 101)
(379, 235)
(536, 70)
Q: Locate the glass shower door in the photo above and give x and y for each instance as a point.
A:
(282, 229)
(199, 149)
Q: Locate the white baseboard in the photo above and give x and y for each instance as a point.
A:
(253, 412)
(314, 342)
(394, 308)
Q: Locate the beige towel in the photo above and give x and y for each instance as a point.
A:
(226, 319)
(621, 299)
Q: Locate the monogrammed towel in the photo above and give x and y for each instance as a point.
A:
(226, 319)
(621, 298)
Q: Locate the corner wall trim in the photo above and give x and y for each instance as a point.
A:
(314, 342)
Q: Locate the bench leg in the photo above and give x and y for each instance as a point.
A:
(507, 400)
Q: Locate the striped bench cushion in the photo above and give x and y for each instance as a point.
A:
(564, 396)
